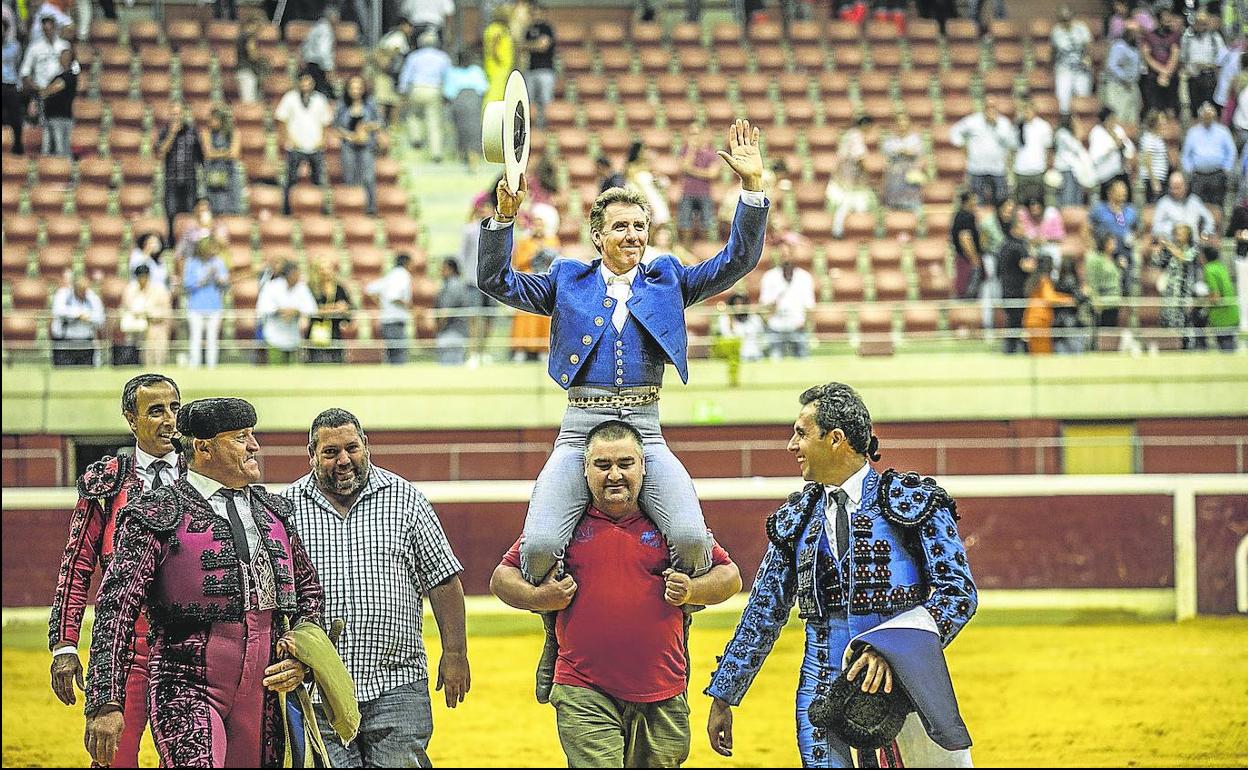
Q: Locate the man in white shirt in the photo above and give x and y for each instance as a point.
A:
(1032, 159)
(789, 292)
(988, 138)
(1109, 146)
(283, 308)
(393, 292)
(1201, 50)
(42, 61)
(1072, 60)
(77, 317)
(303, 116)
(318, 50)
(1179, 206)
(428, 14)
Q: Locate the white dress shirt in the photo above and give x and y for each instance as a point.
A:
(853, 489)
(792, 299)
(394, 293)
(619, 288)
(209, 488)
(143, 466)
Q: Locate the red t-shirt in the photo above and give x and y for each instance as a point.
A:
(618, 635)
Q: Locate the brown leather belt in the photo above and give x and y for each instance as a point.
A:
(588, 397)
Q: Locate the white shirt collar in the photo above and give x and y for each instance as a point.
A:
(203, 485)
(144, 460)
(607, 275)
(853, 485)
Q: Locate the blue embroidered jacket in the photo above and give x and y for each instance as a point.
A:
(904, 551)
(575, 296)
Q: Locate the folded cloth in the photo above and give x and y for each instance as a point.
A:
(312, 647)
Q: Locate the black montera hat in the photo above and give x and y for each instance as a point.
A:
(207, 417)
(866, 721)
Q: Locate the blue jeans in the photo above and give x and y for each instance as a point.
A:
(395, 335)
(989, 190)
(395, 729)
(561, 496)
(359, 168)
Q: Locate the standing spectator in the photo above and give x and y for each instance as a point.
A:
(58, 107)
(787, 292)
(1041, 299)
(663, 241)
(204, 281)
(303, 116)
(285, 307)
(521, 17)
(1143, 18)
(252, 65)
(608, 174)
(499, 53)
(359, 125)
(178, 143)
(1237, 228)
(968, 267)
(221, 9)
(744, 326)
(700, 167)
(1229, 68)
(42, 61)
(905, 166)
(1032, 159)
(637, 173)
(1120, 80)
(455, 297)
(1117, 20)
(1043, 228)
(1072, 161)
(1201, 50)
(427, 15)
(333, 312)
(988, 138)
(993, 229)
(1015, 264)
(539, 41)
(1071, 322)
(1161, 60)
(465, 89)
(77, 317)
(1117, 217)
(1110, 149)
(387, 63)
(318, 50)
(1180, 206)
(1072, 58)
(148, 251)
(1154, 156)
(1223, 310)
(145, 318)
(1179, 260)
(421, 81)
(394, 294)
(534, 253)
(202, 225)
(222, 153)
(483, 321)
(1239, 117)
(1209, 157)
(12, 100)
(1103, 279)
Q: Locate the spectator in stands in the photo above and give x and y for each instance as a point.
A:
(1181, 285)
(608, 175)
(204, 281)
(427, 15)
(1117, 20)
(1161, 59)
(178, 143)
(456, 298)
(1072, 58)
(318, 50)
(1031, 161)
(359, 125)
(1209, 157)
(1154, 156)
(221, 9)
(202, 225)
(637, 174)
(1201, 50)
(148, 252)
(993, 228)
(1042, 298)
(465, 89)
(388, 60)
(1223, 310)
(1072, 322)
(742, 325)
(77, 318)
(905, 166)
(849, 191)
(988, 138)
(1043, 228)
(533, 253)
(482, 322)
(285, 306)
(499, 52)
(222, 153)
(58, 107)
(521, 17)
(539, 41)
(393, 292)
(42, 60)
(1103, 280)
(1072, 161)
(699, 168)
(252, 65)
(1179, 206)
(968, 268)
(1143, 17)
(787, 293)
(333, 312)
(1110, 149)
(12, 100)
(421, 82)
(1117, 217)
(1229, 68)
(1120, 80)
(1237, 229)
(303, 116)
(663, 241)
(1015, 264)
(145, 317)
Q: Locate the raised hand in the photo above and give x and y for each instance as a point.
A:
(743, 156)
(507, 202)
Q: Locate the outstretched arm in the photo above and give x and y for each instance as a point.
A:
(495, 276)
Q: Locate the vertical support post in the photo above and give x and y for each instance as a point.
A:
(1184, 551)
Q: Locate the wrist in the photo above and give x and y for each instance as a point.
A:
(65, 648)
(752, 184)
(502, 218)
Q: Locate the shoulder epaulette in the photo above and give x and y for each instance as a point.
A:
(104, 477)
(909, 499)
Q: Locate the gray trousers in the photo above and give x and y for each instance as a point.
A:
(56, 133)
(395, 728)
(561, 495)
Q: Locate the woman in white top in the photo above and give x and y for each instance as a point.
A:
(145, 317)
(637, 171)
(1154, 155)
(148, 250)
(1071, 160)
(1110, 148)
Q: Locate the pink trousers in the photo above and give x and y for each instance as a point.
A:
(136, 708)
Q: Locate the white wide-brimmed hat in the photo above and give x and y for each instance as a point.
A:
(505, 130)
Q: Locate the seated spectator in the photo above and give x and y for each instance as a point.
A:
(1072, 161)
(285, 306)
(1072, 58)
(303, 116)
(456, 298)
(333, 312)
(533, 253)
(1116, 216)
(787, 293)
(317, 51)
(465, 88)
(1103, 281)
(1179, 206)
(421, 82)
(1201, 49)
(145, 318)
(1223, 309)
(77, 318)
(359, 125)
(638, 175)
(1031, 161)
(1182, 276)
(968, 268)
(1042, 297)
(388, 58)
(1043, 228)
(57, 99)
(222, 153)
(989, 139)
(905, 169)
(252, 66)
(1120, 80)
(1209, 157)
(1111, 150)
(204, 281)
(178, 144)
(1154, 156)
(149, 251)
(700, 168)
(393, 292)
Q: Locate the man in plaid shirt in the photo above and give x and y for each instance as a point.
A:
(379, 548)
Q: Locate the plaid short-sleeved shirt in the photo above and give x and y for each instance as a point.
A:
(376, 565)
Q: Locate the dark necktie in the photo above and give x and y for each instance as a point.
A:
(157, 468)
(842, 523)
(236, 525)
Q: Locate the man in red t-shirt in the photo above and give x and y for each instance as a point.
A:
(622, 670)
